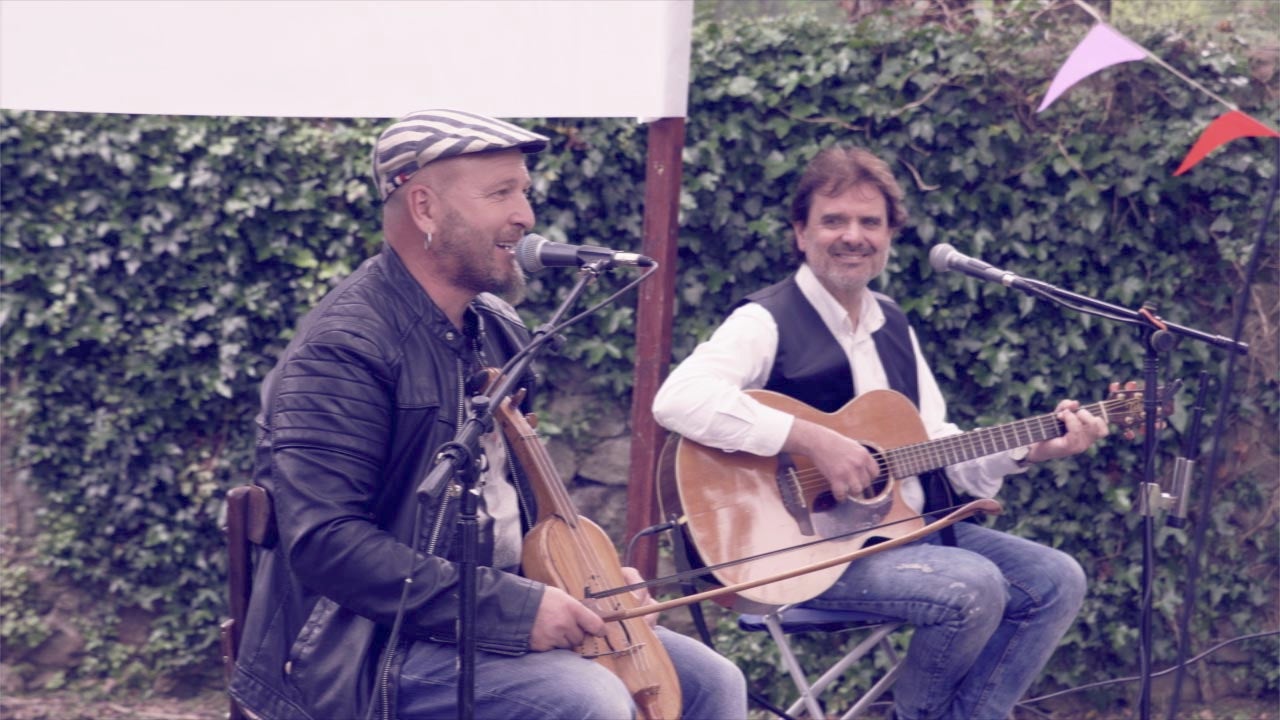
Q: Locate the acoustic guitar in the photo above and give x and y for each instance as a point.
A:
(738, 505)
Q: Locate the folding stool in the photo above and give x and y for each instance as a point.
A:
(778, 622)
(874, 633)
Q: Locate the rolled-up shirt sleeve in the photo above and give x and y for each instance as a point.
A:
(703, 397)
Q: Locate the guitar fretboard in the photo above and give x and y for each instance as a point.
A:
(933, 454)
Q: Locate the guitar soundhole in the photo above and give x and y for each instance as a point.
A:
(825, 501)
(878, 487)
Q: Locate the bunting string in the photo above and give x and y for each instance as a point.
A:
(1158, 60)
(1104, 46)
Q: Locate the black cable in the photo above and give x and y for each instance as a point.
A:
(393, 639)
(651, 530)
(1166, 671)
(544, 335)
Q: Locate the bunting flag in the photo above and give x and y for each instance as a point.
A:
(1221, 131)
(1101, 48)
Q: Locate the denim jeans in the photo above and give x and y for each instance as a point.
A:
(562, 685)
(987, 615)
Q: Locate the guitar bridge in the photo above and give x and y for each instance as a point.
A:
(792, 494)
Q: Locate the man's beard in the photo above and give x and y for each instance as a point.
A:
(470, 254)
(846, 280)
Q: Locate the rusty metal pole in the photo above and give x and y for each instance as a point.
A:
(654, 309)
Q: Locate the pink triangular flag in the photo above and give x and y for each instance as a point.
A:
(1221, 131)
(1101, 48)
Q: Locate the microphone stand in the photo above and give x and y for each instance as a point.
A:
(456, 459)
(1160, 337)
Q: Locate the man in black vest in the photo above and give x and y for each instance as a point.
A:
(988, 608)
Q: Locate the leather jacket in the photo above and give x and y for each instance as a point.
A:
(352, 416)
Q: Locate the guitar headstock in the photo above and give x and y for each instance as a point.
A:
(1126, 406)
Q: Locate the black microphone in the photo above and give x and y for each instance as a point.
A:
(944, 258)
(1184, 467)
(535, 252)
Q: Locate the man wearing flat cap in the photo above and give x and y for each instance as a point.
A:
(353, 414)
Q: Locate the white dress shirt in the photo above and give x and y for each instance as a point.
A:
(702, 399)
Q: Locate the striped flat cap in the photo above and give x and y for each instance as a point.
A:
(418, 138)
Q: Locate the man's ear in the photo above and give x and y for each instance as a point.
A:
(423, 206)
(797, 231)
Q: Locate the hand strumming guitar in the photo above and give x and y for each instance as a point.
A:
(845, 463)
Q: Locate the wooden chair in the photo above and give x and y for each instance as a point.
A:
(250, 524)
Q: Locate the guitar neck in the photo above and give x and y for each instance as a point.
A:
(922, 457)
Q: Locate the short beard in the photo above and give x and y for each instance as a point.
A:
(516, 290)
(458, 243)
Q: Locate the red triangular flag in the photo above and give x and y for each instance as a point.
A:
(1221, 131)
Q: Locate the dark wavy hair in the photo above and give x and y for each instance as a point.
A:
(838, 168)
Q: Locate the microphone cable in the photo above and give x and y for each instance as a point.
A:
(1133, 678)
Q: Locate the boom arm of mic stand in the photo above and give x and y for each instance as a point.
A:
(1089, 305)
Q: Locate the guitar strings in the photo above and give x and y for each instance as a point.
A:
(913, 459)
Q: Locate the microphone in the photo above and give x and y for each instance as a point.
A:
(1184, 467)
(944, 258)
(535, 252)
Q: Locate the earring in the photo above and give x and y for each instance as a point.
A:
(426, 243)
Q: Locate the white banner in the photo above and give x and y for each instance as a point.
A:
(342, 58)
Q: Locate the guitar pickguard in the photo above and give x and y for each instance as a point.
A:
(851, 516)
(825, 517)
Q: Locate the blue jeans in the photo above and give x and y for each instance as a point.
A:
(987, 614)
(562, 685)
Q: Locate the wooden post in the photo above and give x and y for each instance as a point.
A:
(654, 309)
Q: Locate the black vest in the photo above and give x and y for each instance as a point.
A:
(810, 365)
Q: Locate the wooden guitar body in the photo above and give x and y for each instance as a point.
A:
(773, 510)
(738, 505)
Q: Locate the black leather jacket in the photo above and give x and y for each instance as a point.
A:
(369, 388)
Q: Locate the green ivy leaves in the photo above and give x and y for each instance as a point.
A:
(153, 268)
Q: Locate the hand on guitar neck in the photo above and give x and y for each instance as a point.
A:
(1083, 429)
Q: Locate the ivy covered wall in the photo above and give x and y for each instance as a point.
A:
(154, 266)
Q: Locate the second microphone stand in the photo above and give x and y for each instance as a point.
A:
(1159, 337)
